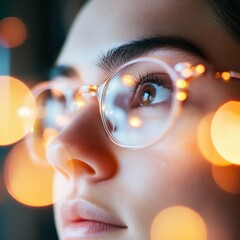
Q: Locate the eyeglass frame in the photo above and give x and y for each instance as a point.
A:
(186, 72)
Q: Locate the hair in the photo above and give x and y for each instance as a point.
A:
(227, 14)
(70, 9)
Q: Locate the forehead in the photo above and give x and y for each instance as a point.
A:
(105, 24)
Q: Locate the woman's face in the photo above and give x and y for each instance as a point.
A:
(121, 191)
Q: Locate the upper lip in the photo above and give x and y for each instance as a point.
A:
(78, 211)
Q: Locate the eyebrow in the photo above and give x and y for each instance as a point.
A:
(119, 55)
(115, 57)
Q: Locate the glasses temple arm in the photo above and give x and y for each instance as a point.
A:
(235, 74)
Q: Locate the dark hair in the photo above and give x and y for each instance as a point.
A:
(227, 14)
(70, 10)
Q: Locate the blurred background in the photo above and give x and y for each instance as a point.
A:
(37, 37)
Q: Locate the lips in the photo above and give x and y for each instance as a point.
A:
(84, 220)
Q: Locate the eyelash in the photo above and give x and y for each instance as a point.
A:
(152, 78)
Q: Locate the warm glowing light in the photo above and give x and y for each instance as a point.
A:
(181, 66)
(225, 131)
(200, 69)
(226, 76)
(80, 103)
(27, 182)
(178, 223)
(135, 122)
(13, 32)
(181, 96)
(24, 112)
(181, 83)
(18, 110)
(205, 142)
(186, 73)
(93, 88)
(227, 178)
(128, 80)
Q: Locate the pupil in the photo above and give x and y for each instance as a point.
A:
(148, 95)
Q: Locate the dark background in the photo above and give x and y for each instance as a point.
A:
(30, 63)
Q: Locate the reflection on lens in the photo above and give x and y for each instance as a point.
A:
(135, 122)
(61, 121)
(128, 80)
(141, 99)
(51, 111)
(52, 117)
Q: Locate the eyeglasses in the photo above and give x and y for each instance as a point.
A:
(138, 103)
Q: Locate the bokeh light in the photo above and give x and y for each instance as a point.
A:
(128, 80)
(18, 110)
(225, 131)
(135, 122)
(200, 69)
(13, 32)
(178, 223)
(182, 83)
(227, 178)
(181, 96)
(28, 183)
(205, 144)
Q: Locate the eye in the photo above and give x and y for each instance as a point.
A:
(148, 93)
(152, 90)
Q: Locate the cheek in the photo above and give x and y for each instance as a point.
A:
(171, 173)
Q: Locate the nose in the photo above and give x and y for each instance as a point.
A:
(83, 149)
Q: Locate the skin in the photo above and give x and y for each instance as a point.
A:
(135, 185)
